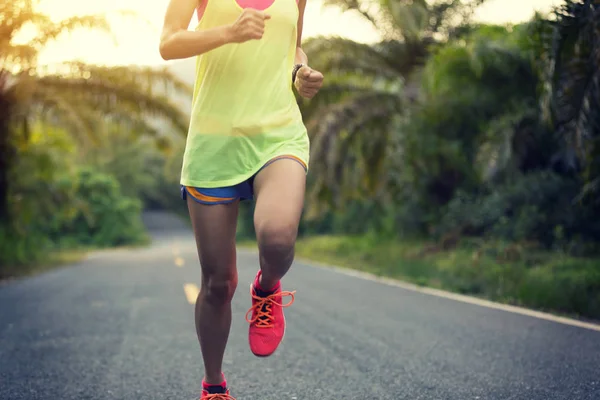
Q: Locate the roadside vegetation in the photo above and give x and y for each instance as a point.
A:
(452, 154)
(83, 148)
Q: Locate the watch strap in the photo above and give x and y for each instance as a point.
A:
(295, 71)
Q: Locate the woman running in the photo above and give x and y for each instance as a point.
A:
(246, 140)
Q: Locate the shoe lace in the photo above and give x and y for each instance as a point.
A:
(263, 309)
(218, 396)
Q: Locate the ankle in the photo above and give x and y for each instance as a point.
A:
(214, 380)
(267, 285)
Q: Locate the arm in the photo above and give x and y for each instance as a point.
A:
(307, 80)
(176, 41)
(301, 57)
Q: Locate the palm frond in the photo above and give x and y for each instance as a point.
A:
(83, 99)
(18, 15)
(90, 125)
(589, 191)
(413, 20)
(409, 19)
(349, 142)
(18, 58)
(574, 81)
(49, 31)
(448, 17)
(56, 109)
(339, 55)
(404, 57)
(481, 60)
(86, 100)
(143, 78)
(13, 16)
(338, 88)
(110, 96)
(368, 10)
(514, 143)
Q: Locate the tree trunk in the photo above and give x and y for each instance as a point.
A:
(6, 156)
(7, 150)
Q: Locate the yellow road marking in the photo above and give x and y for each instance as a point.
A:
(191, 292)
(180, 262)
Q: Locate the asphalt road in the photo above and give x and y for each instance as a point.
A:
(119, 326)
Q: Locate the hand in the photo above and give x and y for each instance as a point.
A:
(250, 25)
(308, 82)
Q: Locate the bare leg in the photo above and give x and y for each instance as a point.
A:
(214, 229)
(279, 190)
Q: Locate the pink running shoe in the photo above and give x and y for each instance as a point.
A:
(215, 392)
(266, 319)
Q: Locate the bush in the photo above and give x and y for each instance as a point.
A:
(102, 217)
(18, 249)
(81, 208)
(356, 217)
(564, 285)
(540, 279)
(533, 207)
(144, 171)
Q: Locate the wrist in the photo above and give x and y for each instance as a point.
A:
(228, 34)
(295, 71)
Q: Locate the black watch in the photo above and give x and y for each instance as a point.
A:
(295, 71)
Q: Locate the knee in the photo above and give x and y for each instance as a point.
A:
(277, 237)
(219, 288)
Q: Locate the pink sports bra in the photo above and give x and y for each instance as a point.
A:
(256, 4)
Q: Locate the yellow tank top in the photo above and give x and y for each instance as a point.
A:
(244, 112)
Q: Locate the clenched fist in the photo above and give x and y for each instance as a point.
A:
(308, 82)
(250, 25)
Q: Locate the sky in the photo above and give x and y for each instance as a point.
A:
(136, 39)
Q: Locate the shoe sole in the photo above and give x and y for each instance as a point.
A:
(283, 337)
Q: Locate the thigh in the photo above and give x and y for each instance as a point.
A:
(215, 230)
(279, 191)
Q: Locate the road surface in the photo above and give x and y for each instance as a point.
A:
(119, 326)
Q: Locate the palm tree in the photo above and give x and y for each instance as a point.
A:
(477, 122)
(77, 97)
(367, 88)
(572, 92)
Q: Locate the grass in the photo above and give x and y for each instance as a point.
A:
(59, 255)
(508, 273)
(54, 259)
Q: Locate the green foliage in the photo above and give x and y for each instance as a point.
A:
(357, 217)
(19, 249)
(36, 195)
(572, 93)
(84, 100)
(379, 100)
(245, 227)
(530, 207)
(413, 20)
(499, 271)
(349, 121)
(566, 284)
(57, 203)
(474, 123)
(143, 171)
(473, 153)
(69, 134)
(491, 150)
(105, 217)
